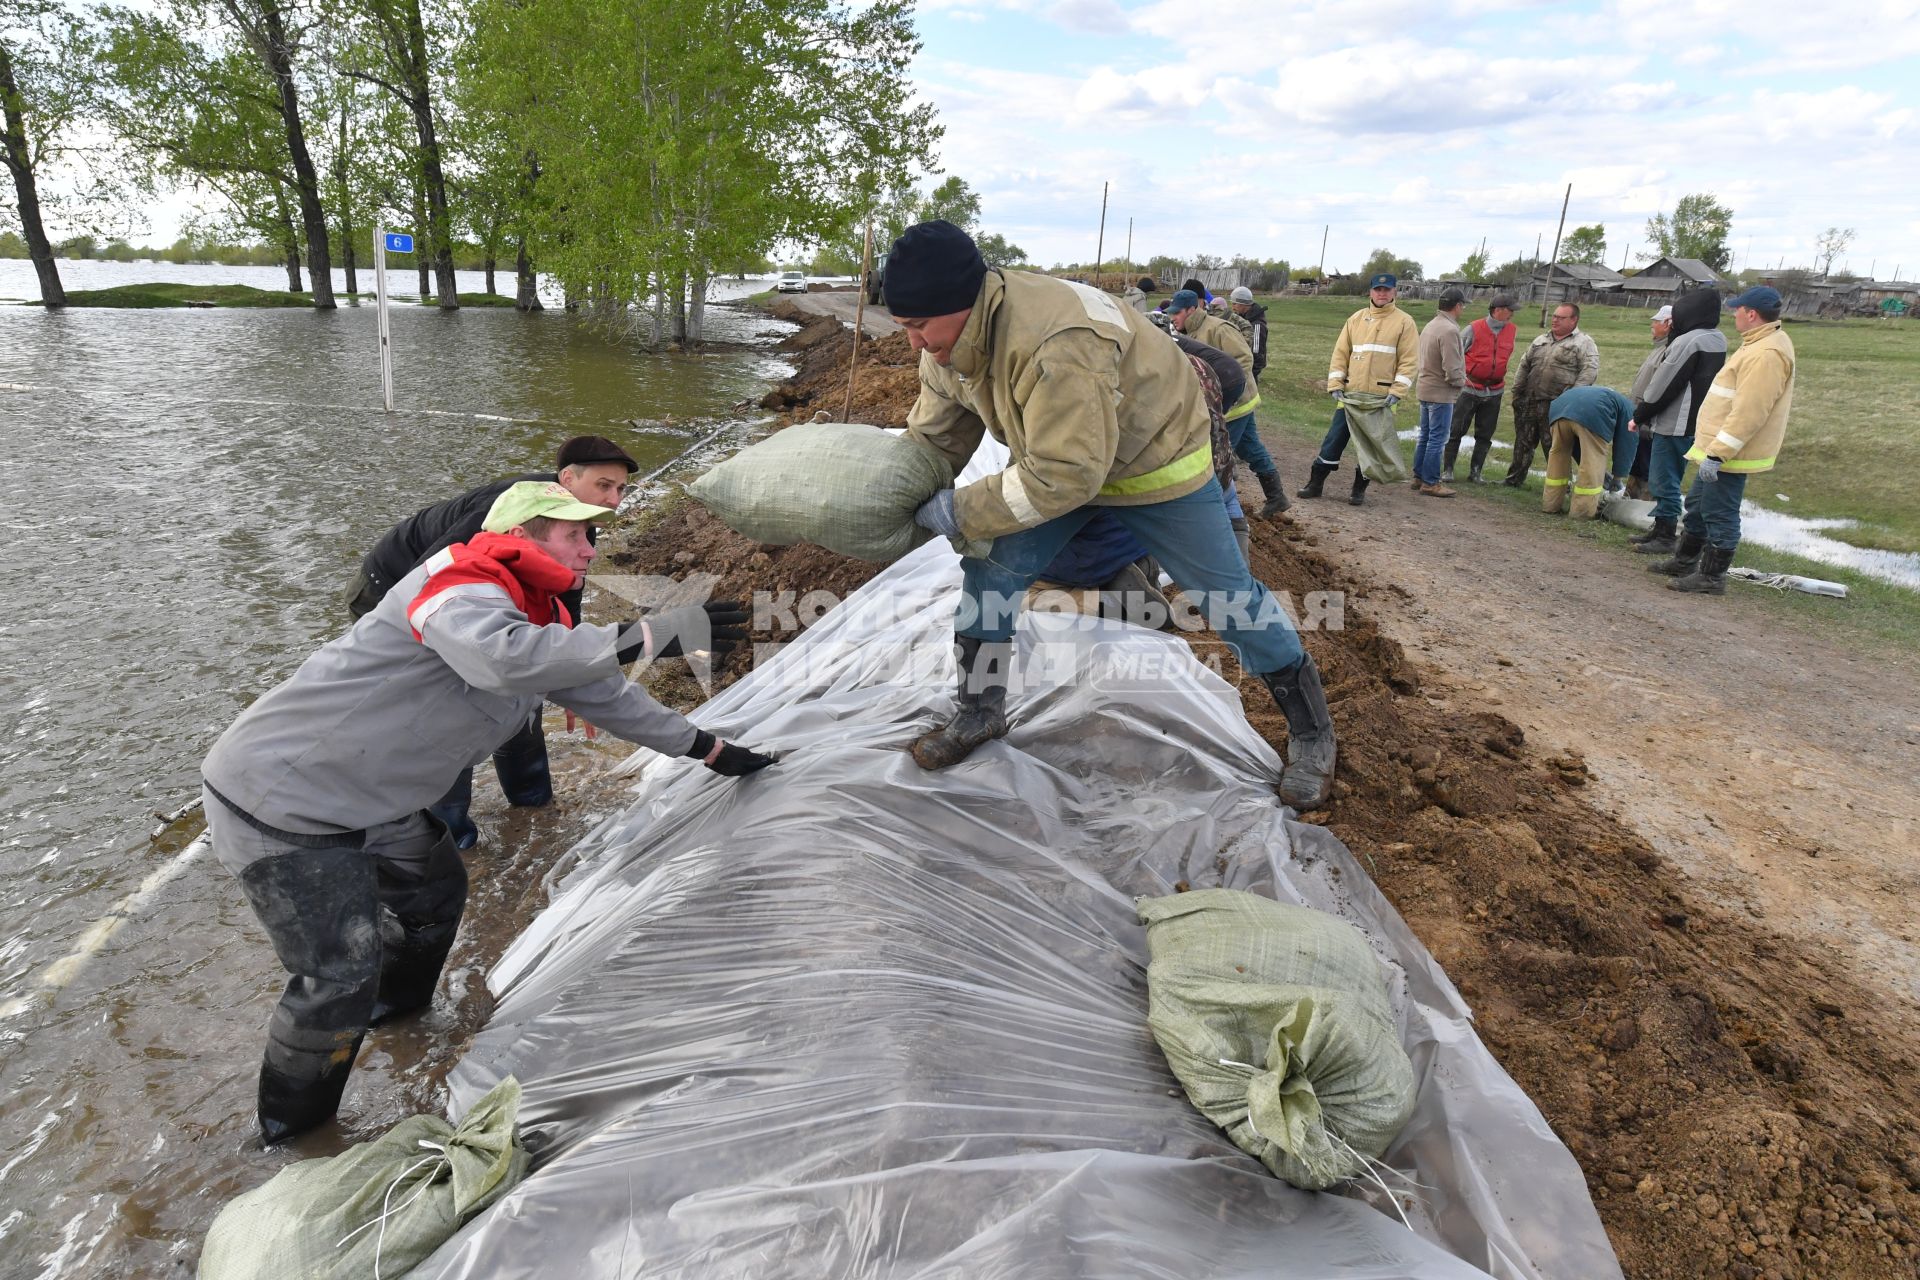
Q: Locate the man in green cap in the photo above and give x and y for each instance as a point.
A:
(317, 796)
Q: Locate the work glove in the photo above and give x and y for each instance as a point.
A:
(1392, 401)
(713, 628)
(725, 757)
(936, 513)
(1335, 393)
(1710, 469)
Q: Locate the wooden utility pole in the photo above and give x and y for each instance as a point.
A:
(1546, 292)
(859, 318)
(1100, 247)
(1129, 246)
(1321, 270)
(1623, 256)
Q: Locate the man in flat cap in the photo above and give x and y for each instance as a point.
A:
(1377, 353)
(1099, 413)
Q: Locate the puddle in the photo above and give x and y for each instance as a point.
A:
(1803, 536)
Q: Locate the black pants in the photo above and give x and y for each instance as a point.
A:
(1481, 414)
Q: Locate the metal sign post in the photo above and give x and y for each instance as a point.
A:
(399, 242)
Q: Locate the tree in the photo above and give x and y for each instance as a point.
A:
(1699, 227)
(1586, 245)
(1474, 269)
(998, 252)
(40, 102)
(952, 201)
(1514, 272)
(1832, 243)
(1383, 260)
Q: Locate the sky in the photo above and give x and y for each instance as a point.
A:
(1247, 126)
(1422, 126)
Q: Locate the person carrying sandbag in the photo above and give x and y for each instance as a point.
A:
(1099, 413)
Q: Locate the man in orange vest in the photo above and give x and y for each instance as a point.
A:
(1489, 342)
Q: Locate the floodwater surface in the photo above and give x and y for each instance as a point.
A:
(188, 493)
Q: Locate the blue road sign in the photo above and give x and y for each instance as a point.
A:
(399, 242)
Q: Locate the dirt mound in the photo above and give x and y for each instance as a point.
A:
(1735, 1102)
(885, 381)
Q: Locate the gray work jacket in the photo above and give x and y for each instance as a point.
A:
(377, 724)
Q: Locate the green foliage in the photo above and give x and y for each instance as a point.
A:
(81, 248)
(1164, 267)
(952, 201)
(12, 245)
(1699, 227)
(1406, 269)
(1585, 245)
(1268, 275)
(1515, 271)
(186, 295)
(998, 252)
(1474, 269)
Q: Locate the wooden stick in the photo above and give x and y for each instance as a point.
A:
(859, 318)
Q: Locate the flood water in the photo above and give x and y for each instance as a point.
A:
(188, 492)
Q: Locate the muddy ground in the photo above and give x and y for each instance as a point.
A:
(1743, 1101)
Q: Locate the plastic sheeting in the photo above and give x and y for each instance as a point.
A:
(845, 1018)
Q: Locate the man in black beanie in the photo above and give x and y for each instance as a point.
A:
(1099, 413)
(595, 470)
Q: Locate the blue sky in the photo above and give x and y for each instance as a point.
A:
(1245, 126)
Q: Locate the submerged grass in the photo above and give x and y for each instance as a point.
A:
(185, 295)
(1849, 451)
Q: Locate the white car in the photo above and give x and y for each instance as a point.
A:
(792, 282)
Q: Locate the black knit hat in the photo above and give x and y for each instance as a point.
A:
(934, 269)
(590, 451)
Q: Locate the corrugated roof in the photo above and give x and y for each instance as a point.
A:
(1588, 272)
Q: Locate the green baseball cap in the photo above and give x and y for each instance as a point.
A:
(529, 498)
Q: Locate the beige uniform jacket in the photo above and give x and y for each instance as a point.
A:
(1743, 419)
(1204, 326)
(1378, 351)
(1094, 405)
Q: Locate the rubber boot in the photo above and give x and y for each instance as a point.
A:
(1243, 538)
(320, 908)
(1481, 448)
(1276, 494)
(1311, 748)
(1660, 540)
(1316, 481)
(1360, 483)
(1685, 558)
(418, 926)
(1473, 475)
(1710, 579)
(982, 711)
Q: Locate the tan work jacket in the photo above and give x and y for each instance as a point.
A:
(1743, 419)
(1203, 326)
(1094, 405)
(1377, 351)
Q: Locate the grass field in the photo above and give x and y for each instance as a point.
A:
(1850, 450)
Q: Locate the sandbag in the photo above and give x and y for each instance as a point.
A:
(377, 1208)
(845, 486)
(1376, 443)
(1276, 1020)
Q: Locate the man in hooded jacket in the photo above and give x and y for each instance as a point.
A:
(1667, 408)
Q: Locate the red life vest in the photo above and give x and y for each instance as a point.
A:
(1487, 357)
(534, 579)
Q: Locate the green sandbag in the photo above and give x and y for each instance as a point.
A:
(1276, 1019)
(844, 486)
(321, 1219)
(1376, 441)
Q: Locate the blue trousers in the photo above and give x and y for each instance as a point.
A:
(1436, 427)
(1335, 442)
(1713, 509)
(1244, 435)
(1664, 470)
(1192, 540)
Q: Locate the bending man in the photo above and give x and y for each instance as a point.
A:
(316, 796)
(1098, 413)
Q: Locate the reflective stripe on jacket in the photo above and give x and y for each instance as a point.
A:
(1220, 334)
(1095, 406)
(1378, 351)
(1744, 418)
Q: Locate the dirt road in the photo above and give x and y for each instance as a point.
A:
(1771, 763)
(875, 321)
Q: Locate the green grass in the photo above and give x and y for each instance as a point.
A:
(470, 300)
(1850, 450)
(185, 295)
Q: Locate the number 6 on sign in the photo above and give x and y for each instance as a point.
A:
(399, 242)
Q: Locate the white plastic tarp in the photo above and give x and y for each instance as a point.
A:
(846, 1018)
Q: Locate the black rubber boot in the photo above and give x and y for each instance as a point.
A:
(1660, 540)
(1359, 496)
(982, 711)
(1276, 494)
(1710, 579)
(418, 926)
(1481, 448)
(320, 908)
(1685, 558)
(1243, 538)
(1316, 481)
(1311, 749)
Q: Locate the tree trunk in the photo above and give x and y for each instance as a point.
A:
(346, 205)
(290, 245)
(19, 161)
(679, 309)
(273, 49)
(697, 309)
(422, 242)
(489, 265)
(420, 85)
(526, 292)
